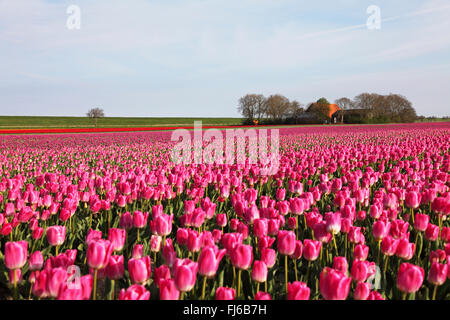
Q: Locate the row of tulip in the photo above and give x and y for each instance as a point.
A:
(353, 213)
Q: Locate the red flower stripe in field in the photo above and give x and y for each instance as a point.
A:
(93, 130)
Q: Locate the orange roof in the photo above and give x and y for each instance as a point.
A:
(332, 109)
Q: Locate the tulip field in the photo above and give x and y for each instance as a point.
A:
(353, 212)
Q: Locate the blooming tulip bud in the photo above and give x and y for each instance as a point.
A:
(259, 271)
(168, 290)
(298, 291)
(56, 235)
(134, 292)
(16, 254)
(410, 278)
(223, 293)
(334, 285)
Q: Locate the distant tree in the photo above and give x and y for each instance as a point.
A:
(252, 106)
(295, 110)
(277, 107)
(323, 101)
(345, 104)
(95, 113)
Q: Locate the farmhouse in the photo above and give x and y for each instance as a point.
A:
(317, 113)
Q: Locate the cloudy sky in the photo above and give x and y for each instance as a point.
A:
(197, 57)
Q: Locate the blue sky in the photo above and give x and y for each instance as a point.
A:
(197, 57)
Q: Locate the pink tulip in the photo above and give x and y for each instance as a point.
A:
(286, 242)
(360, 270)
(168, 290)
(341, 264)
(421, 222)
(360, 252)
(362, 291)
(99, 253)
(140, 270)
(137, 252)
(16, 254)
(223, 293)
(405, 249)
(117, 238)
(412, 199)
(242, 256)
(410, 278)
(333, 284)
(438, 274)
(432, 232)
(134, 292)
(261, 295)
(298, 291)
(209, 260)
(140, 219)
(36, 261)
(161, 273)
(56, 235)
(185, 274)
(115, 268)
(259, 271)
(269, 256)
(56, 277)
(380, 229)
(311, 249)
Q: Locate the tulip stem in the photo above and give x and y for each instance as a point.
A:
(265, 285)
(307, 272)
(182, 295)
(203, 289)
(404, 296)
(335, 246)
(56, 250)
(113, 285)
(138, 234)
(29, 293)
(385, 266)
(16, 296)
(234, 276)
(434, 292)
(257, 287)
(286, 271)
(379, 252)
(295, 268)
(239, 283)
(94, 293)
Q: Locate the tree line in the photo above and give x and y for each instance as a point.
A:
(364, 108)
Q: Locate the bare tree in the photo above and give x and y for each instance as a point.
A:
(252, 106)
(95, 113)
(277, 107)
(345, 104)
